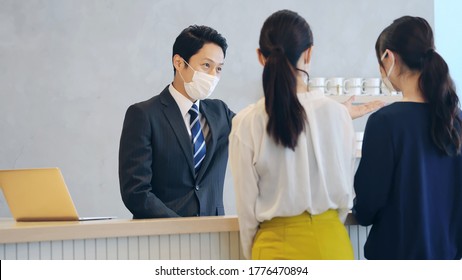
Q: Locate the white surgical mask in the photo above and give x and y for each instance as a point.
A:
(305, 76)
(201, 85)
(386, 80)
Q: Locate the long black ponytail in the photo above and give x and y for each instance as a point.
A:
(412, 39)
(438, 88)
(285, 35)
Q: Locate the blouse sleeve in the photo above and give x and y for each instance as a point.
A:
(373, 179)
(338, 156)
(246, 188)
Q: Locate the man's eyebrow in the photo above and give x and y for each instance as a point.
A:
(211, 60)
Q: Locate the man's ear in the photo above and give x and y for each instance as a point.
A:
(261, 57)
(177, 61)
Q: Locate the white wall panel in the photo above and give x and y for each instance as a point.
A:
(22, 251)
(185, 245)
(68, 250)
(143, 245)
(154, 247)
(133, 248)
(45, 250)
(195, 246)
(79, 249)
(112, 248)
(34, 250)
(101, 249)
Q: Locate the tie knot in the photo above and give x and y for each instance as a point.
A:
(194, 111)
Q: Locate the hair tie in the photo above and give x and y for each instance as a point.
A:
(429, 52)
(277, 50)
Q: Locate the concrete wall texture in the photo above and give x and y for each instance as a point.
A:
(69, 70)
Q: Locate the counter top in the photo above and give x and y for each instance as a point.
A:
(17, 232)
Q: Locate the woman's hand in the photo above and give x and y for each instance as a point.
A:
(357, 111)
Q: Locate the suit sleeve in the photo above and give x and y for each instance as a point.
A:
(135, 173)
(373, 179)
(229, 114)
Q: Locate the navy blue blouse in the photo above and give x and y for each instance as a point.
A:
(407, 189)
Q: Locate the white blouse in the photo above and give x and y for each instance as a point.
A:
(273, 181)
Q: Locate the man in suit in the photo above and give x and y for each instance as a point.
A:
(174, 146)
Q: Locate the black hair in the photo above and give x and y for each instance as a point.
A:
(193, 38)
(412, 39)
(285, 35)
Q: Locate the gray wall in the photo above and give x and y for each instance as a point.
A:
(69, 69)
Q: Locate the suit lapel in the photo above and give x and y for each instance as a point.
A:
(173, 115)
(211, 118)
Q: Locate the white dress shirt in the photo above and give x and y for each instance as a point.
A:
(185, 104)
(273, 181)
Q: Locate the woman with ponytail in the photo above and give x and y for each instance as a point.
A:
(292, 155)
(409, 181)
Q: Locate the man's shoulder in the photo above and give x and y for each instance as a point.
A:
(215, 104)
(218, 107)
(152, 102)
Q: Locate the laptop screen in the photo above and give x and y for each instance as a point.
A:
(37, 195)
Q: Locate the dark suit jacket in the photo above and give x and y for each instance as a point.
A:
(156, 170)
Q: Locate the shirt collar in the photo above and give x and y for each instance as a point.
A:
(183, 103)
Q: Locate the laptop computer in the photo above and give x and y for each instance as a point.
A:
(39, 194)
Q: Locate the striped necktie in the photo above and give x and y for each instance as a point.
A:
(198, 141)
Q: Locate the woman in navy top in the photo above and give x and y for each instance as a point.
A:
(409, 182)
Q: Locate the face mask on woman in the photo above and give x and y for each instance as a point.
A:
(201, 85)
(386, 80)
(306, 77)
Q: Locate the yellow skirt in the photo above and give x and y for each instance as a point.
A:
(303, 237)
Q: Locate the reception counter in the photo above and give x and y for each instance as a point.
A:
(179, 238)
